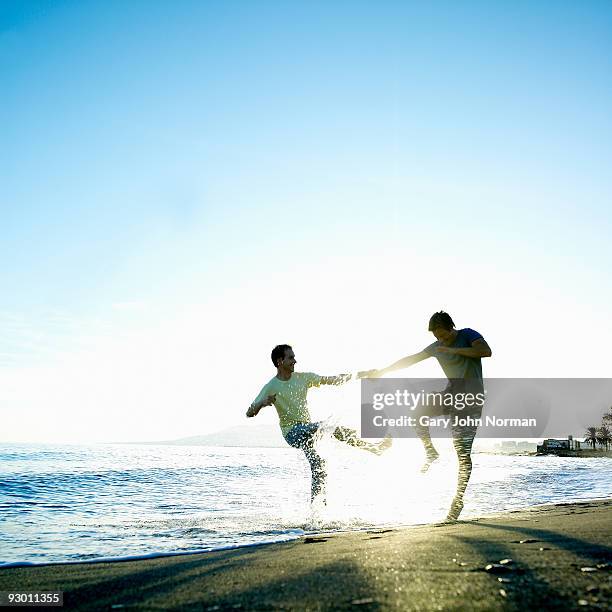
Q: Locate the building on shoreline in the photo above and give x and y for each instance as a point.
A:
(554, 444)
(569, 448)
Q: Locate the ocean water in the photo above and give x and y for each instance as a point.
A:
(76, 503)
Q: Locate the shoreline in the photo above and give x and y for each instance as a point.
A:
(305, 534)
(558, 559)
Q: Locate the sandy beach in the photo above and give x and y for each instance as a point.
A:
(553, 557)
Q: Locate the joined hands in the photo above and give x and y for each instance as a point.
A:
(370, 373)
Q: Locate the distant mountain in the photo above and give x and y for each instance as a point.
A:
(255, 435)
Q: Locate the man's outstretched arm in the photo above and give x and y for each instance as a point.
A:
(398, 365)
(256, 406)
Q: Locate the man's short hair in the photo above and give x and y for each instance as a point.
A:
(278, 353)
(441, 319)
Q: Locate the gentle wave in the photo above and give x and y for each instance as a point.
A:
(88, 503)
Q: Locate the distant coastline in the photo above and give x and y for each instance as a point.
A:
(269, 436)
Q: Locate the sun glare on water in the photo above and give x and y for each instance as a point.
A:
(365, 490)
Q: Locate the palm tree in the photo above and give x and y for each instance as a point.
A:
(607, 418)
(604, 437)
(590, 437)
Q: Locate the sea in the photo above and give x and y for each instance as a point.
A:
(80, 503)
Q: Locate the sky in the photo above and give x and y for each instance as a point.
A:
(186, 184)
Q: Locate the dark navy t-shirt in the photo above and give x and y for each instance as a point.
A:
(458, 366)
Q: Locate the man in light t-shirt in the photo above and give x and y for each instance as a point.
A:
(287, 392)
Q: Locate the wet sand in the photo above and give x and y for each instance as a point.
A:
(417, 568)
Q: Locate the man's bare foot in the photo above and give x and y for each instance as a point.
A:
(385, 444)
(455, 510)
(431, 457)
(381, 447)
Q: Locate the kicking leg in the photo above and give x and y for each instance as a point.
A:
(349, 436)
(422, 431)
(431, 454)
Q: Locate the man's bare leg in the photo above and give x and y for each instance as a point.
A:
(462, 442)
(318, 473)
(349, 436)
(431, 454)
(422, 431)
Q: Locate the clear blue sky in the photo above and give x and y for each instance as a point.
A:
(161, 156)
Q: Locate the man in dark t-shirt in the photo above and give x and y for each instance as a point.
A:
(456, 364)
(459, 353)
